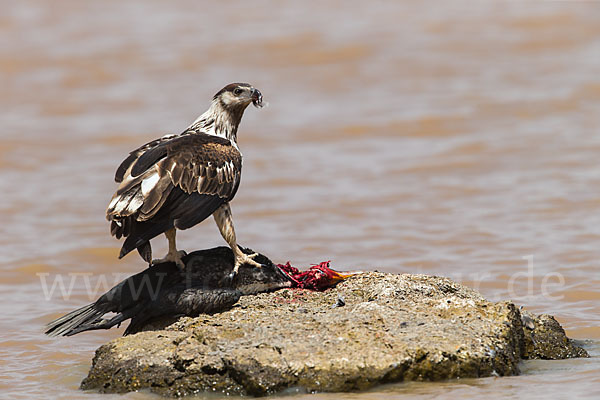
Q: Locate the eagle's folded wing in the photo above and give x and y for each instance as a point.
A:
(135, 154)
(177, 182)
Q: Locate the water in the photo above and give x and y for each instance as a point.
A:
(450, 138)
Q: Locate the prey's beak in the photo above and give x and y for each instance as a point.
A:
(257, 99)
(338, 276)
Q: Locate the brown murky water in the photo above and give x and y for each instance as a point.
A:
(451, 138)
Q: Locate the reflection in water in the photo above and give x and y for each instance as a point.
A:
(460, 141)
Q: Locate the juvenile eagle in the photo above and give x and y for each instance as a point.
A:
(177, 181)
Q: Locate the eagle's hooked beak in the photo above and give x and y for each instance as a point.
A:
(256, 96)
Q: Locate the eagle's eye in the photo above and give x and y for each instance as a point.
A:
(237, 91)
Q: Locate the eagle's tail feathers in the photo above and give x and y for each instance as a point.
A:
(145, 252)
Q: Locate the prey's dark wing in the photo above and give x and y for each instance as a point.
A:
(159, 291)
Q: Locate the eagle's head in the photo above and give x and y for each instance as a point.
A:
(238, 96)
(226, 110)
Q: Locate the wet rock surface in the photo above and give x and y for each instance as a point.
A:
(372, 328)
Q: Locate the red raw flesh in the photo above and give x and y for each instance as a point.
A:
(317, 277)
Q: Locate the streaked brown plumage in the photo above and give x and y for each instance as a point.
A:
(177, 181)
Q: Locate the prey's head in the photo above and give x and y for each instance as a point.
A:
(238, 96)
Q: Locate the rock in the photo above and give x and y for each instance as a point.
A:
(546, 339)
(391, 328)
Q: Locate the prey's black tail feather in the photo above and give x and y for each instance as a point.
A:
(68, 324)
(86, 318)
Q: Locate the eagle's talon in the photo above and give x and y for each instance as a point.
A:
(247, 259)
(175, 257)
(240, 259)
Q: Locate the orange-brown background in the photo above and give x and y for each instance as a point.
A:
(450, 138)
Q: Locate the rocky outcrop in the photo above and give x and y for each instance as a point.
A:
(371, 328)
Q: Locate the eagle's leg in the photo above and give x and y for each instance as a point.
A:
(224, 221)
(173, 255)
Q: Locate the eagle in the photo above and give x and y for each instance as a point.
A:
(179, 180)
